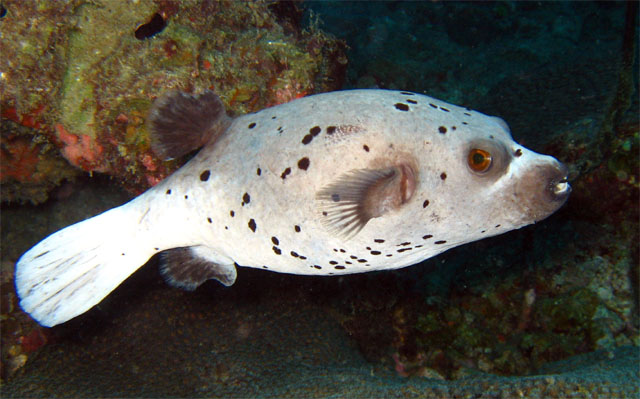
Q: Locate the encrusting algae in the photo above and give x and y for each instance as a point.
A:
(82, 76)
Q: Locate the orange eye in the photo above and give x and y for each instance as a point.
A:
(479, 160)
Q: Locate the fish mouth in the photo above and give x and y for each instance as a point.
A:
(561, 188)
(558, 187)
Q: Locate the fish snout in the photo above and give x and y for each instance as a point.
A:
(543, 189)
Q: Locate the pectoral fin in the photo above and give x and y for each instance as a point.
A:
(356, 197)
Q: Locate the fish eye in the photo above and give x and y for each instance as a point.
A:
(479, 160)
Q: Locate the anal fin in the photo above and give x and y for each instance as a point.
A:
(188, 267)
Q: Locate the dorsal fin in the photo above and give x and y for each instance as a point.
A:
(360, 195)
(180, 122)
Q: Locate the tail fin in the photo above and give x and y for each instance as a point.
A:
(75, 268)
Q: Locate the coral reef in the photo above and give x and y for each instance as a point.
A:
(29, 167)
(83, 74)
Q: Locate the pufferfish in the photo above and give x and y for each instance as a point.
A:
(331, 184)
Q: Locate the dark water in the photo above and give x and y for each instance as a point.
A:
(552, 71)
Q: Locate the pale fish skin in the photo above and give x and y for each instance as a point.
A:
(331, 184)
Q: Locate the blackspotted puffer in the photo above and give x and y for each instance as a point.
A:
(331, 184)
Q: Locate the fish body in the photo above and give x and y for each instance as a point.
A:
(331, 184)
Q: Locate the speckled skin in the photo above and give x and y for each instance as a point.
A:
(250, 198)
(463, 207)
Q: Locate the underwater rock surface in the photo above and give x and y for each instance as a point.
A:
(271, 336)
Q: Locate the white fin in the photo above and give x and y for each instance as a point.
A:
(73, 269)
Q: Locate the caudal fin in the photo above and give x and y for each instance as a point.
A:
(75, 268)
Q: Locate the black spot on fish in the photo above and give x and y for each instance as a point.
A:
(232, 213)
(453, 128)
(294, 254)
(317, 267)
(275, 240)
(265, 267)
(425, 203)
(444, 109)
(362, 260)
(277, 250)
(335, 197)
(440, 242)
(427, 237)
(209, 220)
(518, 152)
(465, 123)
(401, 107)
(246, 198)
(273, 117)
(168, 192)
(404, 244)
(340, 267)
(285, 173)
(313, 132)
(353, 257)
(252, 225)
(365, 147)
(186, 197)
(303, 163)
(331, 129)
(252, 125)
(378, 240)
(467, 114)
(404, 249)
(333, 262)
(433, 106)
(412, 101)
(407, 93)
(296, 228)
(497, 225)
(258, 171)
(442, 129)
(343, 251)
(443, 176)
(204, 176)
(303, 257)
(375, 252)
